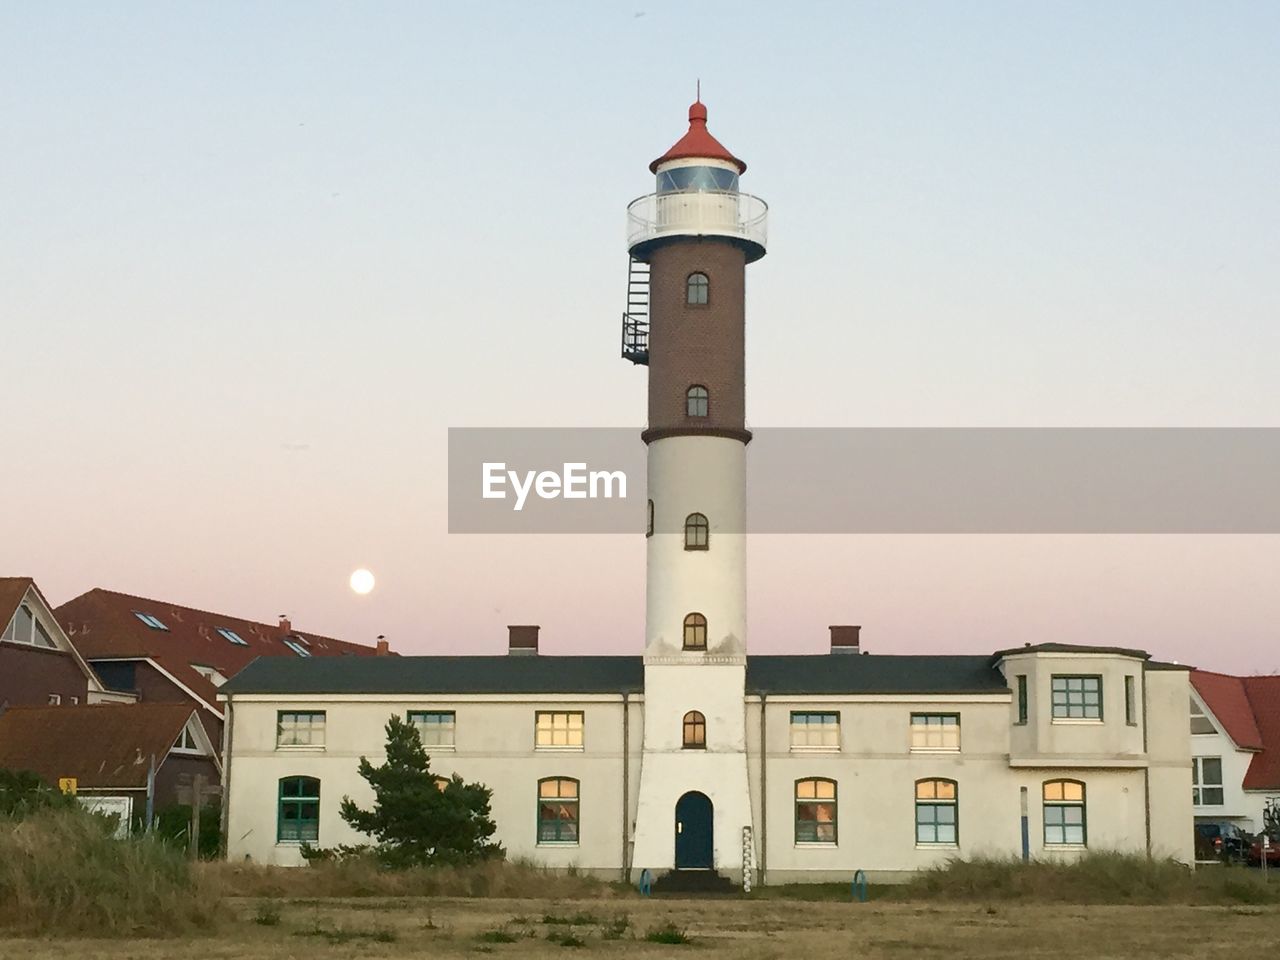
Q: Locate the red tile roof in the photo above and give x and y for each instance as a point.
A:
(12, 590)
(101, 746)
(1264, 697)
(1249, 709)
(103, 625)
(698, 143)
(1225, 696)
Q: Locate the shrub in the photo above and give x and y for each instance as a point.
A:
(667, 933)
(268, 914)
(23, 793)
(173, 825)
(63, 873)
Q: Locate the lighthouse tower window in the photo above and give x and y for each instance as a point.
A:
(696, 401)
(648, 530)
(697, 532)
(695, 632)
(698, 290)
(695, 731)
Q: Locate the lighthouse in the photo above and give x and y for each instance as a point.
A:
(689, 242)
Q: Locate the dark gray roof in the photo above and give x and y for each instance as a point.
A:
(816, 674)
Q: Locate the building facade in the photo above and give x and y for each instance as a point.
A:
(1235, 748)
(697, 755)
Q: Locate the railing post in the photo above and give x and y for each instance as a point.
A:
(859, 889)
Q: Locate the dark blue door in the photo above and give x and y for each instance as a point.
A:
(693, 832)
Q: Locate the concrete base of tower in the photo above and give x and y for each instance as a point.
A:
(693, 806)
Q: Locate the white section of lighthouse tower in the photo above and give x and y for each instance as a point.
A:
(696, 233)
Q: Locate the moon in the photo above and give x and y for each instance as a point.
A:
(362, 581)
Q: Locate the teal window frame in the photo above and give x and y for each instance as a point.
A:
(300, 796)
(559, 811)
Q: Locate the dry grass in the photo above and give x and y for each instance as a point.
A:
(1099, 877)
(364, 878)
(61, 872)
(740, 929)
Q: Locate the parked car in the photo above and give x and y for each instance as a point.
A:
(1223, 841)
(1257, 850)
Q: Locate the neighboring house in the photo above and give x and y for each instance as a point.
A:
(38, 664)
(109, 751)
(165, 653)
(889, 764)
(1235, 747)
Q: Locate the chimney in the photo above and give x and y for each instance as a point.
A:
(844, 639)
(285, 625)
(523, 640)
(384, 647)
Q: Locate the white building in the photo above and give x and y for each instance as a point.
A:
(1235, 748)
(697, 756)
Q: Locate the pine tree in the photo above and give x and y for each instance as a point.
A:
(417, 817)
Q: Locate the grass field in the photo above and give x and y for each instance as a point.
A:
(403, 928)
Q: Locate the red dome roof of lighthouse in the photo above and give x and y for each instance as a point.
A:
(698, 143)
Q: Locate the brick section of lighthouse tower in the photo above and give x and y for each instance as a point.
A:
(696, 234)
(697, 344)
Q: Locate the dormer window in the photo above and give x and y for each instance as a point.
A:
(152, 622)
(697, 290)
(25, 628)
(232, 637)
(186, 743)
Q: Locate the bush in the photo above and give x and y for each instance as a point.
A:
(667, 933)
(63, 873)
(23, 793)
(1097, 877)
(173, 825)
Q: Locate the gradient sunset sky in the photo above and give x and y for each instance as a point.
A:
(256, 258)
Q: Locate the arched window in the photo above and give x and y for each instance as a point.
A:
(937, 809)
(695, 731)
(816, 810)
(648, 530)
(1064, 818)
(698, 290)
(697, 532)
(695, 632)
(298, 813)
(558, 810)
(696, 401)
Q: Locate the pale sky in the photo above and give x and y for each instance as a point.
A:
(256, 258)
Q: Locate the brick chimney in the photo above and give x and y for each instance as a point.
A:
(844, 639)
(384, 647)
(523, 640)
(285, 625)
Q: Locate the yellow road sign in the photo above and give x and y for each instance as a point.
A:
(67, 784)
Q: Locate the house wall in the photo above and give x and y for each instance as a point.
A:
(28, 675)
(1241, 807)
(494, 745)
(875, 772)
(177, 767)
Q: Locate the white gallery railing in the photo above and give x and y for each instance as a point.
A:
(697, 213)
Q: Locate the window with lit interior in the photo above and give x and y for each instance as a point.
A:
(1064, 813)
(558, 730)
(937, 818)
(816, 811)
(935, 731)
(558, 810)
(815, 731)
(694, 734)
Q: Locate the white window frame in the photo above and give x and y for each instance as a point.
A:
(1199, 787)
(312, 745)
(155, 623)
(822, 730)
(10, 634)
(422, 728)
(568, 728)
(920, 732)
(231, 636)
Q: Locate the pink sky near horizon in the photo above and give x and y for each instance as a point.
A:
(255, 262)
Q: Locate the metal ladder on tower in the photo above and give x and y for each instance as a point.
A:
(635, 320)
